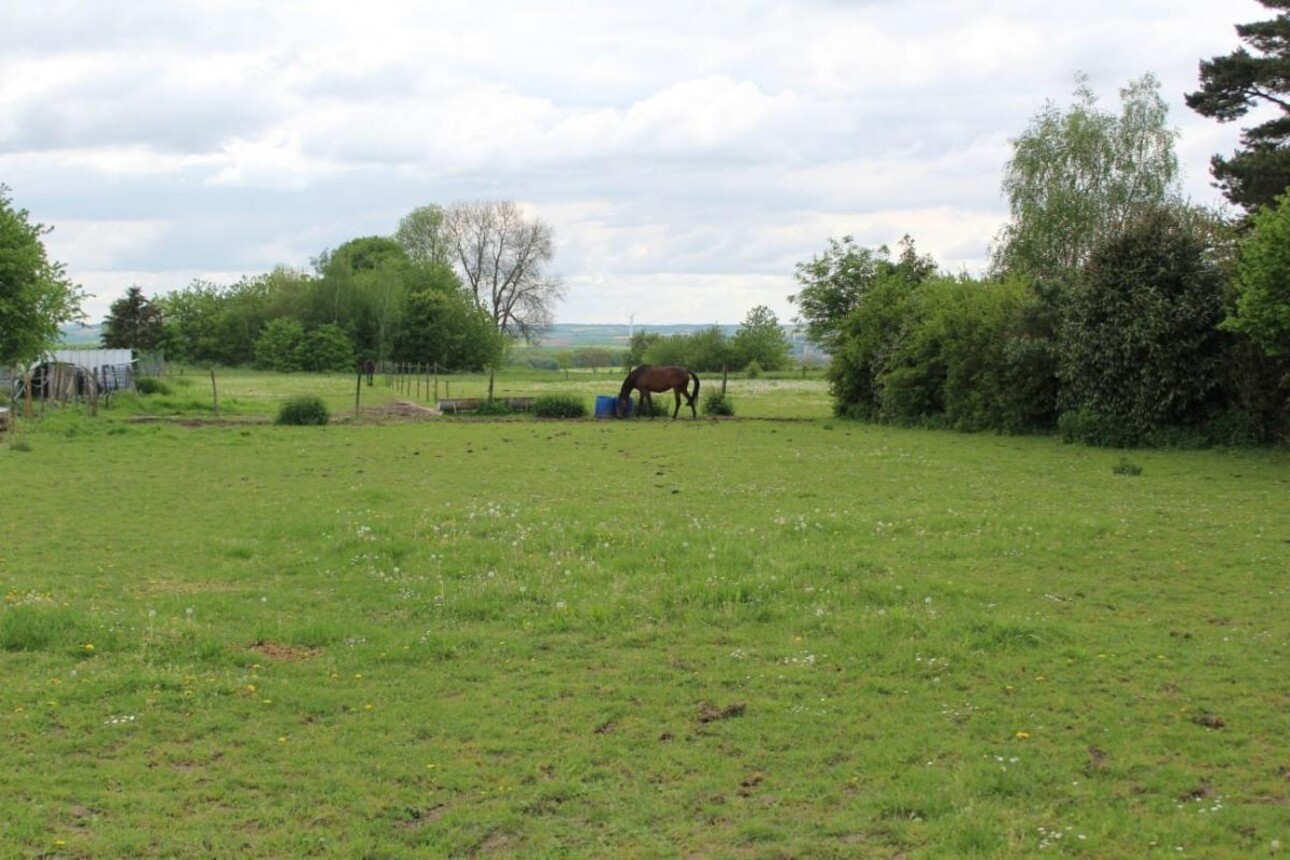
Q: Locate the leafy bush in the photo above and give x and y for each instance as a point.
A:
(559, 406)
(660, 406)
(704, 350)
(1139, 340)
(494, 407)
(280, 344)
(1234, 428)
(863, 345)
(1094, 428)
(753, 370)
(327, 348)
(151, 385)
(1124, 467)
(304, 410)
(715, 403)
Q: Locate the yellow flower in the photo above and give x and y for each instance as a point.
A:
(1021, 736)
(88, 646)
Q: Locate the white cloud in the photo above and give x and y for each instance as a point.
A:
(102, 244)
(688, 155)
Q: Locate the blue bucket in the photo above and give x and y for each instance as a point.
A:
(606, 406)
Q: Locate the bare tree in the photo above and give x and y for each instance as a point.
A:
(502, 257)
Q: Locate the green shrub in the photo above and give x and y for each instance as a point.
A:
(304, 410)
(1124, 467)
(559, 406)
(1139, 340)
(753, 370)
(1234, 428)
(715, 403)
(151, 385)
(658, 407)
(494, 407)
(1093, 428)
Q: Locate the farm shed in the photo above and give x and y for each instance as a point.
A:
(65, 374)
(113, 369)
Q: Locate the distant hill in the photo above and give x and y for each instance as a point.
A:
(561, 335)
(586, 334)
(81, 335)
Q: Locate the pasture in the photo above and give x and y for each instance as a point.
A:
(748, 638)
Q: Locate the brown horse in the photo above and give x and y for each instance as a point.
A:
(648, 378)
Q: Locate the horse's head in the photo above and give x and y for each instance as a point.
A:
(622, 406)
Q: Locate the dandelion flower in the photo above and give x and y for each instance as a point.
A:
(1021, 736)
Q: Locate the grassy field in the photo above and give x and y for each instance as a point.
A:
(747, 638)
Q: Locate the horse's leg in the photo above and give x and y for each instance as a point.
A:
(676, 394)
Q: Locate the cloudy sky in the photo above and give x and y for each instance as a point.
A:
(687, 154)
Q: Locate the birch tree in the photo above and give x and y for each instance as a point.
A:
(1079, 175)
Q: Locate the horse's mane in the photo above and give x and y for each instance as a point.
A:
(630, 382)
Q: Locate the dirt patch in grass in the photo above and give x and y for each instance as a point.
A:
(188, 421)
(710, 713)
(418, 818)
(279, 651)
(1209, 721)
(398, 411)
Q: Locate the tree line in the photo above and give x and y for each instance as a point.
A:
(758, 344)
(453, 286)
(1114, 312)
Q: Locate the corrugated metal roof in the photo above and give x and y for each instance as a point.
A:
(93, 357)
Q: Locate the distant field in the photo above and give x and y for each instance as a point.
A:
(249, 394)
(781, 635)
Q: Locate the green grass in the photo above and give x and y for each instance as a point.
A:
(744, 638)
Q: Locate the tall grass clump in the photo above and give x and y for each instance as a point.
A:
(151, 385)
(559, 406)
(304, 410)
(716, 403)
(494, 408)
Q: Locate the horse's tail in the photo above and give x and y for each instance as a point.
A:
(695, 377)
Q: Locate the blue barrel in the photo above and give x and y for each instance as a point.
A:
(606, 406)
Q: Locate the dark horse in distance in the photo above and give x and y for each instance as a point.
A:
(647, 379)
